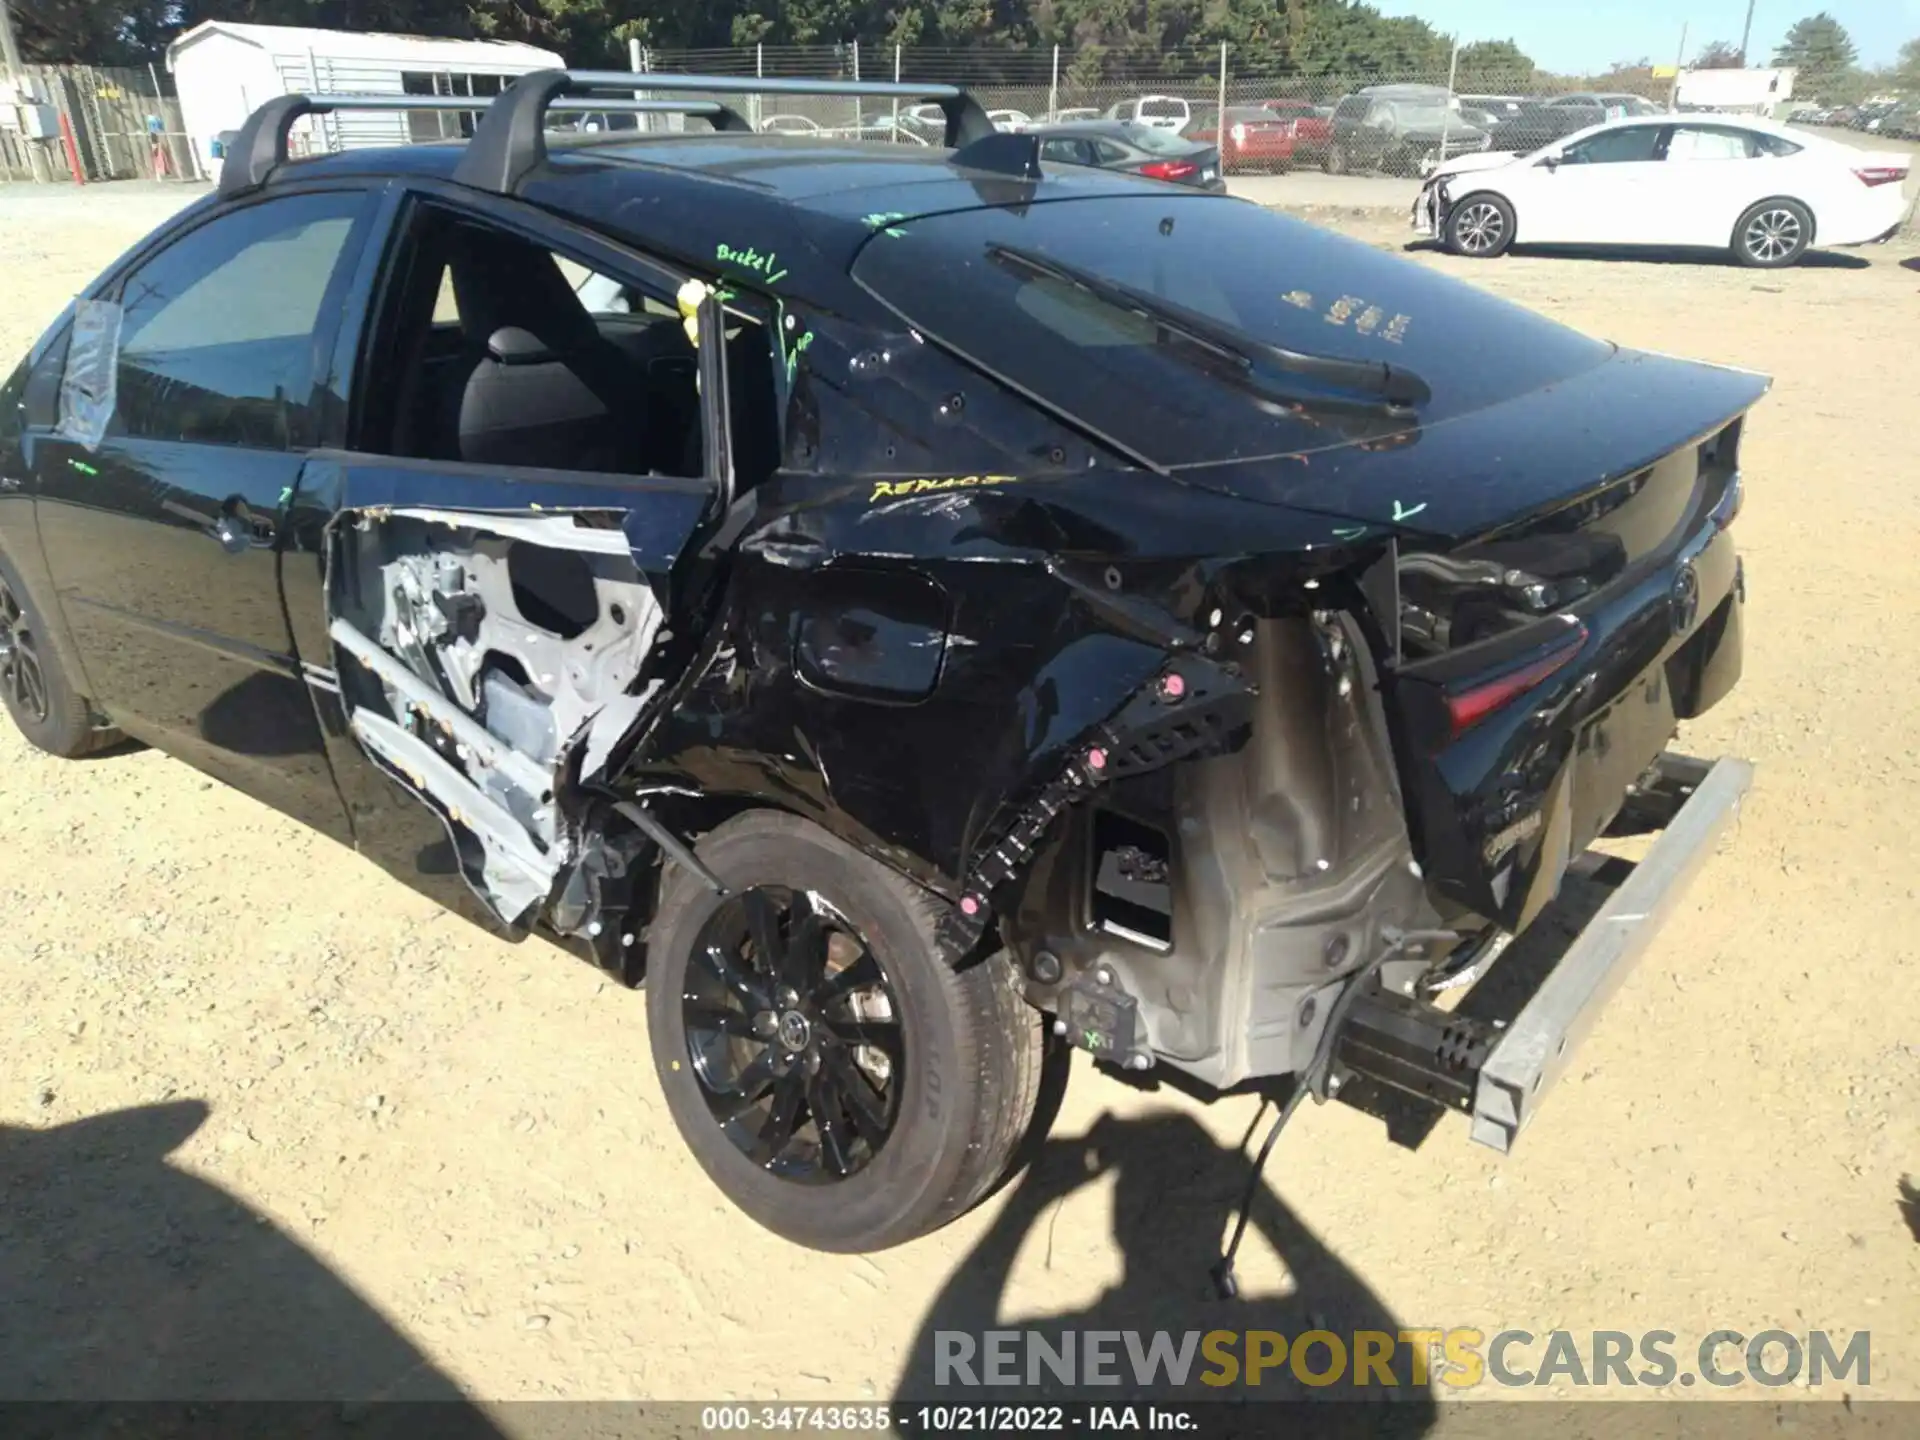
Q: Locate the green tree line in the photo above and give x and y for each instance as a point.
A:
(1308, 37)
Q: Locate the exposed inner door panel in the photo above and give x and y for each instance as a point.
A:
(476, 652)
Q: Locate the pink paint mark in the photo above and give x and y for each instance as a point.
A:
(969, 905)
(1097, 759)
(1173, 686)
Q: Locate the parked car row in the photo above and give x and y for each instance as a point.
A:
(1897, 120)
(1399, 129)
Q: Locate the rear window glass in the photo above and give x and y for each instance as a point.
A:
(1156, 141)
(970, 281)
(1163, 107)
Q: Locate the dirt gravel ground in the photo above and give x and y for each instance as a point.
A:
(351, 1089)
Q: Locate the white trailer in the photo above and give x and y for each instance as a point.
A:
(1735, 92)
(224, 72)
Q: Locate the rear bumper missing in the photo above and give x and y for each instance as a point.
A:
(1498, 1063)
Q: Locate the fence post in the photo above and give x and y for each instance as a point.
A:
(1446, 113)
(856, 99)
(1220, 114)
(759, 73)
(1053, 90)
(317, 124)
(1673, 90)
(896, 99)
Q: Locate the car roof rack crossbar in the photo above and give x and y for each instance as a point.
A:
(261, 145)
(510, 142)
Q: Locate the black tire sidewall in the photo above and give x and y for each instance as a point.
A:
(1794, 256)
(896, 1195)
(68, 726)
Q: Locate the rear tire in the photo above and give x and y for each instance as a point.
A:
(1479, 226)
(901, 1153)
(35, 690)
(1773, 235)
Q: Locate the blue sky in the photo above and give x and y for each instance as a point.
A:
(1588, 35)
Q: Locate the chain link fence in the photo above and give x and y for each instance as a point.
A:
(127, 123)
(1389, 121)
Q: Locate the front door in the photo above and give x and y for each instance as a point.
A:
(161, 514)
(1603, 191)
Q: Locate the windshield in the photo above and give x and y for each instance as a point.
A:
(1175, 396)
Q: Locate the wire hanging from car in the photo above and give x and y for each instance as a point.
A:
(1312, 1081)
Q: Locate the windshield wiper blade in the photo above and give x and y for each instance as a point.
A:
(1400, 388)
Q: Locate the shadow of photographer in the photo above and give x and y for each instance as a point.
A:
(127, 1281)
(1173, 1185)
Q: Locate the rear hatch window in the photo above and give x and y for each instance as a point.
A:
(978, 281)
(1158, 142)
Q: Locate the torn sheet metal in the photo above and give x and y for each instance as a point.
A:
(501, 644)
(561, 529)
(89, 388)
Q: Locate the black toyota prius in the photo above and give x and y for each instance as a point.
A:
(920, 610)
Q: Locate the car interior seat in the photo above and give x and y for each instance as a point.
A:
(545, 388)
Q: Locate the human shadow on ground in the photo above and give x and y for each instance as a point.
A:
(1174, 1187)
(124, 1278)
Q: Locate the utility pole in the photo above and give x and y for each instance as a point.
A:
(1746, 31)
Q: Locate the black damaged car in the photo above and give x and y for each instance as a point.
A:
(917, 610)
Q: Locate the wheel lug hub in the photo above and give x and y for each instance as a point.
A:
(795, 1032)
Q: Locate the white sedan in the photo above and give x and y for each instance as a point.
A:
(1724, 182)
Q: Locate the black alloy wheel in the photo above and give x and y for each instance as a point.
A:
(23, 679)
(794, 1035)
(836, 1075)
(34, 688)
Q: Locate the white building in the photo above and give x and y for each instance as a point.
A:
(224, 72)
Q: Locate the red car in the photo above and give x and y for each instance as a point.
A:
(1255, 138)
(1312, 126)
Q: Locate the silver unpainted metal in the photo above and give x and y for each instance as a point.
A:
(1290, 869)
(497, 772)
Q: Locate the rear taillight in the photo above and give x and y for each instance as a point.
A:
(1239, 133)
(1467, 707)
(1871, 175)
(1168, 169)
